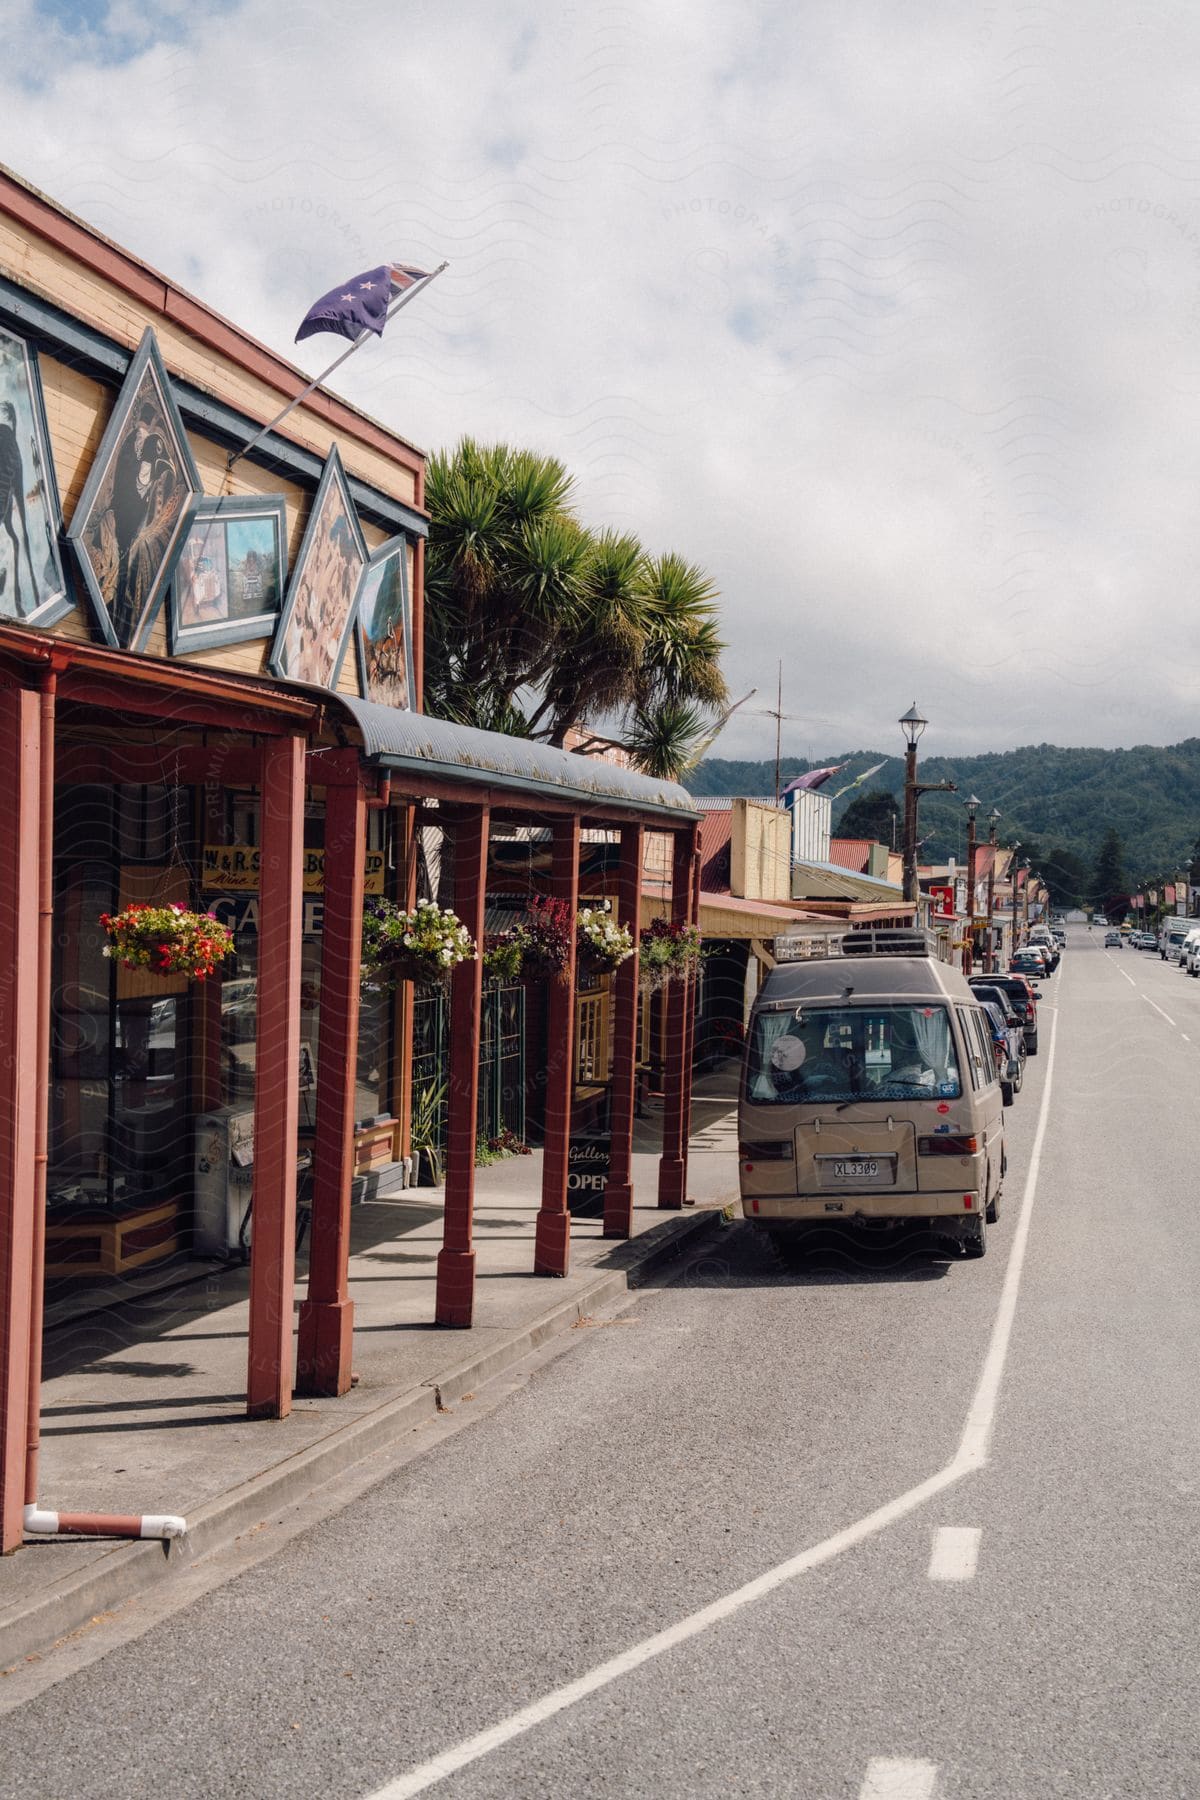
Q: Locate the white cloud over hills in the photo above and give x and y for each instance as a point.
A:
(888, 316)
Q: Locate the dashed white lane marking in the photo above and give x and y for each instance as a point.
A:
(970, 1456)
(1185, 1037)
(1158, 1009)
(898, 1778)
(955, 1553)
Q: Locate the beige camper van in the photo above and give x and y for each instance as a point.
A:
(870, 1095)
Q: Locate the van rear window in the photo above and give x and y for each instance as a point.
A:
(833, 1053)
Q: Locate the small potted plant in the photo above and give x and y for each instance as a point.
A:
(668, 953)
(425, 1126)
(601, 945)
(424, 944)
(167, 940)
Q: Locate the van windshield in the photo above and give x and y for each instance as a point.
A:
(840, 1053)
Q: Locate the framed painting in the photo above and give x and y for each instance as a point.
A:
(318, 614)
(230, 572)
(384, 624)
(33, 590)
(134, 506)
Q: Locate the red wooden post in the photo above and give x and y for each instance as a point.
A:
(672, 1168)
(618, 1195)
(276, 1086)
(455, 1303)
(20, 1077)
(327, 1315)
(552, 1246)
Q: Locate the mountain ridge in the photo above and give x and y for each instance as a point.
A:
(1057, 796)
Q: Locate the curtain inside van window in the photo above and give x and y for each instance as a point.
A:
(852, 1053)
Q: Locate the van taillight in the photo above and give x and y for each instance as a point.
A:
(783, 1150)
(947, 1146)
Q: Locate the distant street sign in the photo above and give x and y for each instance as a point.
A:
(942, 902)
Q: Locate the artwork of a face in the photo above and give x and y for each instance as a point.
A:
(133, 506)
(316, 624)
(32, 588)
(385, 646)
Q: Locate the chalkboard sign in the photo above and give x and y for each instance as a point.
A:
(588, 1160)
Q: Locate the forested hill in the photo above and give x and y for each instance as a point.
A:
(1051, 796)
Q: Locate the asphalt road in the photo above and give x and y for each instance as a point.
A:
(973, 1490)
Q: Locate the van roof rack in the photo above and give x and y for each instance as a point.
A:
(891, 940)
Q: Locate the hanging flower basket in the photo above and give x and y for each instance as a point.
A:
(504, 955)
(601, 945)
(547, 940)
(423, 945)
(167, 940)
(668, 953)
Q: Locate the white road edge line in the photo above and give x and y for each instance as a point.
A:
(898, 1778)
(955, 1554)
(970, 1456)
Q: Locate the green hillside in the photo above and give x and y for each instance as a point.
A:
(1066, 799)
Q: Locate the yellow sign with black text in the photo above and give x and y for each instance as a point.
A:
(233, 869)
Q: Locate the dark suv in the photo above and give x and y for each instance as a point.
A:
(1022, 1000)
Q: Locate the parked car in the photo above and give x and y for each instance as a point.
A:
(1170, 941)
(1027, 962)
(1022, 999)
(1189, 960)
(1008, 1038)
(849, 1090)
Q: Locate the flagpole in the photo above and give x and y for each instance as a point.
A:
(235, 456)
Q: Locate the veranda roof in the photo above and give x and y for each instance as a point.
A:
(416, 744)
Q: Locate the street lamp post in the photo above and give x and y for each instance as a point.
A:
(972, 805)
(989, 954)
(912, 725)
(1027, 866)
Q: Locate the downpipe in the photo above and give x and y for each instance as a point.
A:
(39, 1522)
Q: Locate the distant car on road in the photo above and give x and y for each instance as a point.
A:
(1112, 940)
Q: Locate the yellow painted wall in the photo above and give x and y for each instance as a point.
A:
(760, 852)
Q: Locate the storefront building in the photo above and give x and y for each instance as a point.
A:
(210, 683)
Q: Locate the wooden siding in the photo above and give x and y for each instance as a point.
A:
(77, 410)
(47, 270)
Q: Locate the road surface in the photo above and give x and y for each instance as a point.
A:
(861, 1528)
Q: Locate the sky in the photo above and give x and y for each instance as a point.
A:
(887, 316)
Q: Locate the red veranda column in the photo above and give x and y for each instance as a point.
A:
(455, 1303)
(20, 1075)
(327, 1315)
(618, 1195)
(276, 1086)
(552, 1248)
(672, 1168)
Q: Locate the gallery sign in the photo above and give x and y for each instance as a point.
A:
(234, 869)
(588, 1158)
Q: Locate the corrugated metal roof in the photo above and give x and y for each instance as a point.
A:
(825, 881)
(415, 742)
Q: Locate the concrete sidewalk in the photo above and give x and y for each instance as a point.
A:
(143, 1402)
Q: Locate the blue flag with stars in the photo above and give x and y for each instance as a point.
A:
(360, 304)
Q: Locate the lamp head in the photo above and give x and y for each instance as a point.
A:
(972, 804)
(912, 725)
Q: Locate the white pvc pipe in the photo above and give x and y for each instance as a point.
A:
(40, 1521)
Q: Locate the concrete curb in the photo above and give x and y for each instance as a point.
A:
(33, 1624)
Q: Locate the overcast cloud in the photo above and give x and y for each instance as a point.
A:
(888, 315)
